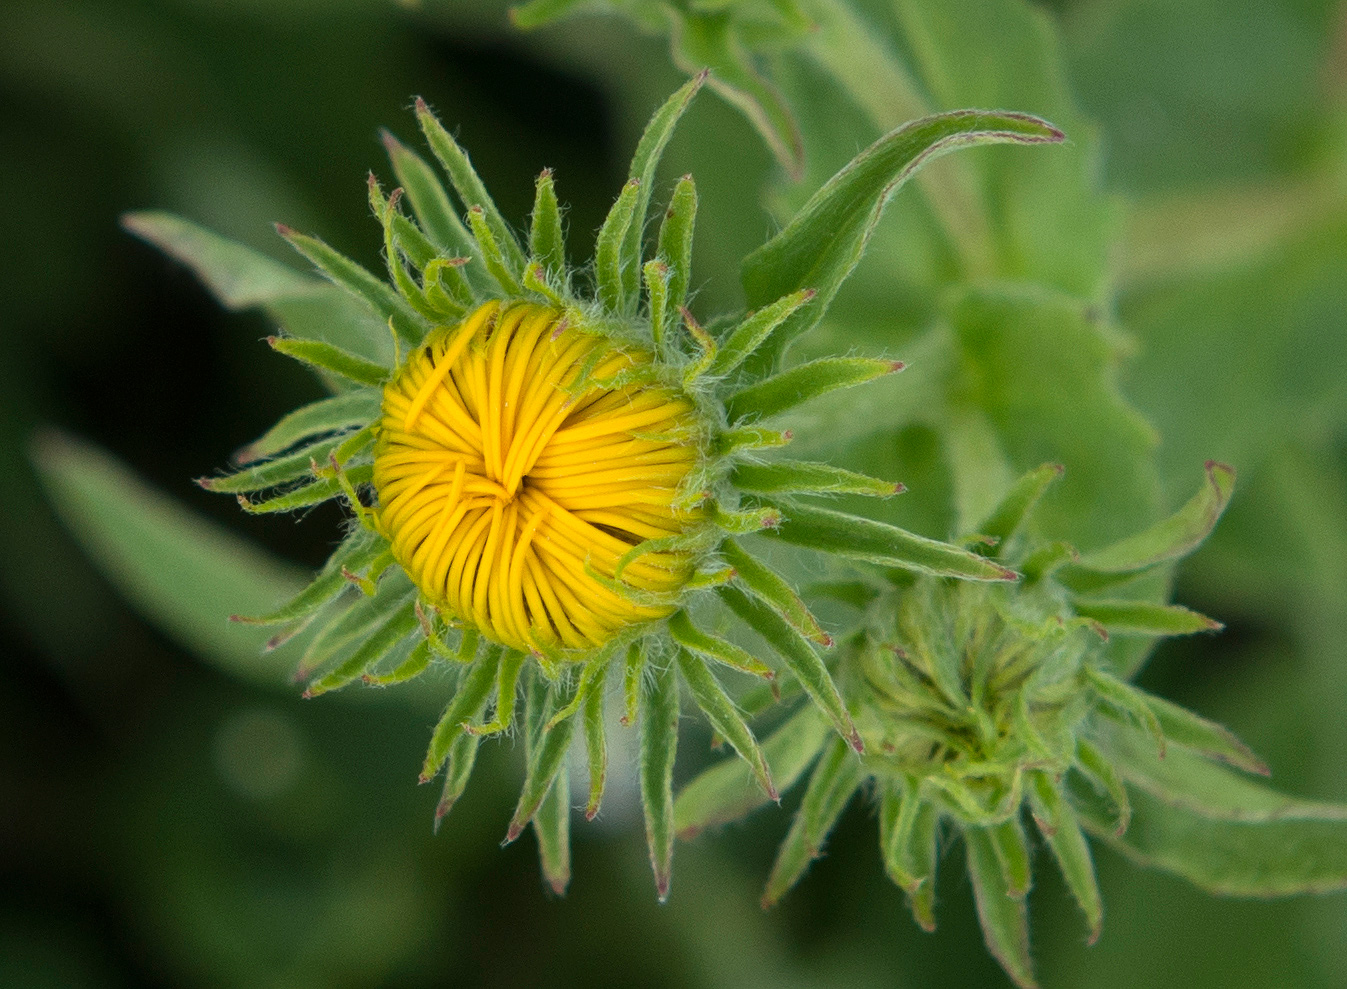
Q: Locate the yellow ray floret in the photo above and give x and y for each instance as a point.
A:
(508, 476)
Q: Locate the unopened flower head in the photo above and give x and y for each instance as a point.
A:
(514, 471)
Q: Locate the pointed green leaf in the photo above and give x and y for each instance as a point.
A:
(1005, 922)
(376, 646)
(659, 744)
(877, 542)
(799, 655)
(469, 187)
(1182, 727)
(748, 336)
(768, 586)
(643, 164)
(724, 717)
(1144, 617)
(728, 791)
(326, 357)
(1006, 519)
(468, 701)
(1058, 825)
(497, 264)
(609, 257)
(375, 292)
(552, 825)
(785, 391)
(825, 240)
(180, 570)
(836, 776)
(547, 244)
(328, 415)
(1171, 539)
(1012, 851)
(675, 240)
(800, 477)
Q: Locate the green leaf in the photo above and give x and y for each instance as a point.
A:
(375, 292)
(547, 244)
(724, 717)
(800, 477)
(328, 415)
(326, 357)
(675, 240)
(836, 776)
(1145, 618)
(469, 187)
(749, 335)
(728, 790)
(1224, 832)
(707, 41)
(823, 243)
(241, 278)
(1060, 828)
(1171, 539)
(800, 657)
(1006, 519)
(1005, 922)
(785, 391)
(609, 254)
(536, 13)
(769, 587)
(877, 542)
(181, 571)
(659, 743)
(552, 825)
(468, 701)
(649, 150)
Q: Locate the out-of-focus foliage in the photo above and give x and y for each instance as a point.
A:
(174, 826)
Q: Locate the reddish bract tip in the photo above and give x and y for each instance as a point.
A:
(855, 742)
(826, 641)
(285, 231)
(389, 142)
(788, 435)
(205, 482)
(899, 488)
(896, 366)
(514, 831)
(421, 106)
(308, 694)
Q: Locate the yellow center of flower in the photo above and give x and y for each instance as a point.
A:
(511, 480)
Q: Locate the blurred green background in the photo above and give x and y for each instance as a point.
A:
(181, 818)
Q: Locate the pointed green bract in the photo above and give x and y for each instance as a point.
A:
(1060, 828)
(462, 758)
(497, 263)
(275, 472)
(789, 389)
(720, 650)
(1012, 851)
(724, 717)
(329, 415)
(468, 701)
(376, 645)
(326, 357)
(824, 241)
(596, 746)
(416, 663)
(356, 551)
(429, 201)
(799, 477)
(545, 763)
(675, 240)
(877, 542)
(469, 187)
(375, 292)
(1103, 778)
(552, 825)
(642, 175)
(799, 655)
(1171, 539)
(728, 791)
(1006, 519)
(749, 335)
(1005, 922)
(547, 245)
(359, 620)
(659, 743)
(836, 777)
(609, 253)
(1145, 618)
(769, 587)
